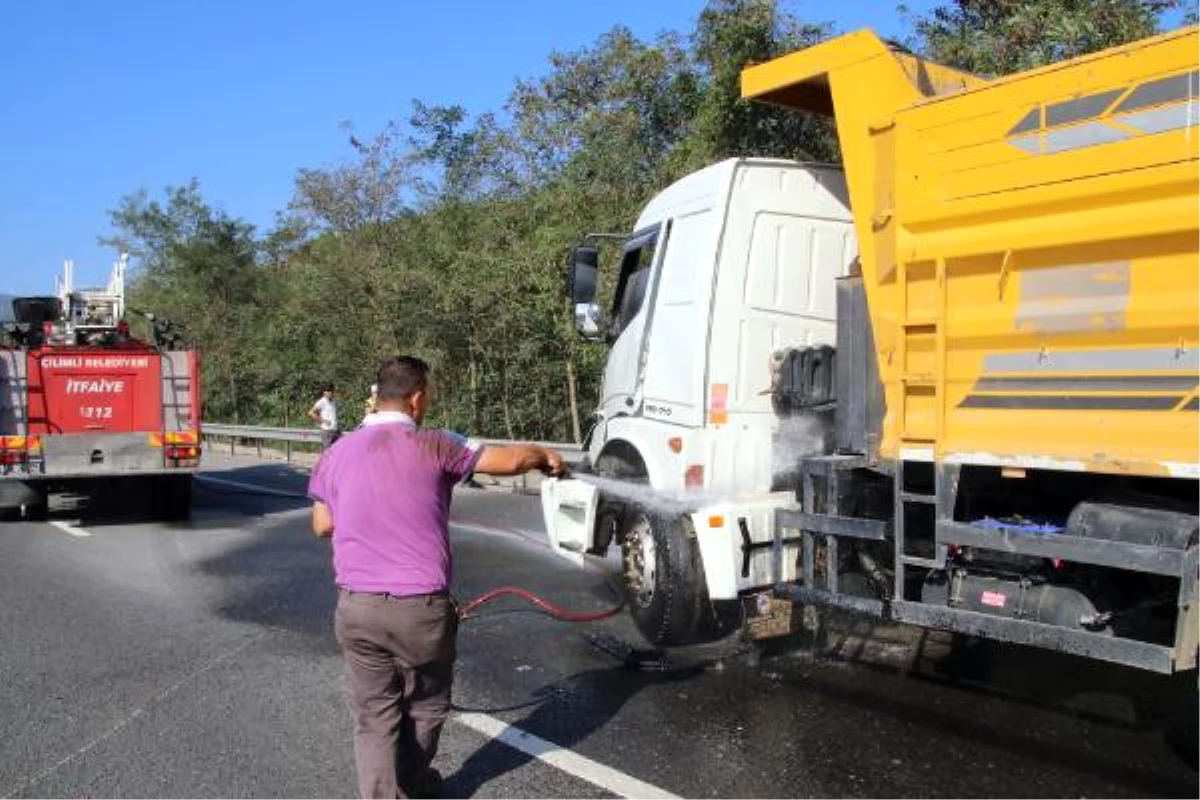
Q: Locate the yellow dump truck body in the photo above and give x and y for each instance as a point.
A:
(1028, 247)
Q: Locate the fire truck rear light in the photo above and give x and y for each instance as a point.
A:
(12, 449)
(177, 452)
(175, 438)
(21, 452)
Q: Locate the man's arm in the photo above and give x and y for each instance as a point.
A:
(516, 459)
(322, 520)
(315, 411)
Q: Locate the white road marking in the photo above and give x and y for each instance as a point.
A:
(68, 528)
(257, 489)
(571, 763)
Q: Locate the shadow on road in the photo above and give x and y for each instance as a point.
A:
(247, 492)
(281, 578)
(1007, 694)
(252, 490)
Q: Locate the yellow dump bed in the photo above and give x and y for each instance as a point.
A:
(1028, 245)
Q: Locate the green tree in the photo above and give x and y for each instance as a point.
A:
(730, 34)
(198, 267)
(445, 235)
(997, 37)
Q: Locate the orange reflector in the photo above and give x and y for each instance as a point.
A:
(718, 404)
(1012, 472)
(676, 444)
(716, 521)
(34, 445)
(12, 442)
(174, 437)
(693, 476)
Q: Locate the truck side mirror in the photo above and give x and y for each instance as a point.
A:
(581, 275)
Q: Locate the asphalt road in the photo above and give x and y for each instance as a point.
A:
(197, 660)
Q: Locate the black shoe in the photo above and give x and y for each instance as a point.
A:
(429, 785)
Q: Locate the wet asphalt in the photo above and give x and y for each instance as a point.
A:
(197, 659)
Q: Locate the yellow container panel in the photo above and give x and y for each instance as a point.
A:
(1029, 248)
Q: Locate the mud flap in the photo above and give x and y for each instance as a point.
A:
(569, 511)
(735, 544)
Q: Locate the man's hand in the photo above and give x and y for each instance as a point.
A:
(322, 520)
(554, 464)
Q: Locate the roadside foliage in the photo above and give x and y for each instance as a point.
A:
(444, 235)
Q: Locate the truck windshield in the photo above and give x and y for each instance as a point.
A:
(635, 277)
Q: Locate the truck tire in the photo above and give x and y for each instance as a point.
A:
(664, 581)
(23, 500)
(171, 499)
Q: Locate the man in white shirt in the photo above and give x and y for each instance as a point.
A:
(324, 413)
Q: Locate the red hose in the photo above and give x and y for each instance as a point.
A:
(548, 607)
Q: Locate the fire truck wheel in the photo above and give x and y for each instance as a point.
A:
(38, 511)
(23, 500)
(664, 581)
(172, 498)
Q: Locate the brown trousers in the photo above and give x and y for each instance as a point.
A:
(399, 655)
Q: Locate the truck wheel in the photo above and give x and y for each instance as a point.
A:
(664, 581)
(38, 512)
(172, 497)
(27, 500)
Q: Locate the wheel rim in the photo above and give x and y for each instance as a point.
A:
(641, 563)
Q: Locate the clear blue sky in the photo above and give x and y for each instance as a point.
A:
(100, 99)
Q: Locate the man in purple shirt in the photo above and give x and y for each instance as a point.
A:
(383, 494)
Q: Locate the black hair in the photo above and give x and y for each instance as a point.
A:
(401, 376)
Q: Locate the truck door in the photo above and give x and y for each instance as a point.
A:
(630, 314)
(676, 350)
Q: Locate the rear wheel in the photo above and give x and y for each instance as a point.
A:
(23, 500)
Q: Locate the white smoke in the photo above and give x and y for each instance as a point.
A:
(659, 501)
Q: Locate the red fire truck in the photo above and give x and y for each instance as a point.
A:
(85, 406)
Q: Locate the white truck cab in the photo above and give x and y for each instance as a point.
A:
(724, 268)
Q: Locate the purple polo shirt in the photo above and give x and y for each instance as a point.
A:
(388, 488)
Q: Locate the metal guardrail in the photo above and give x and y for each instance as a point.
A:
(262, 432)
(258, 434)
(571, 453)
